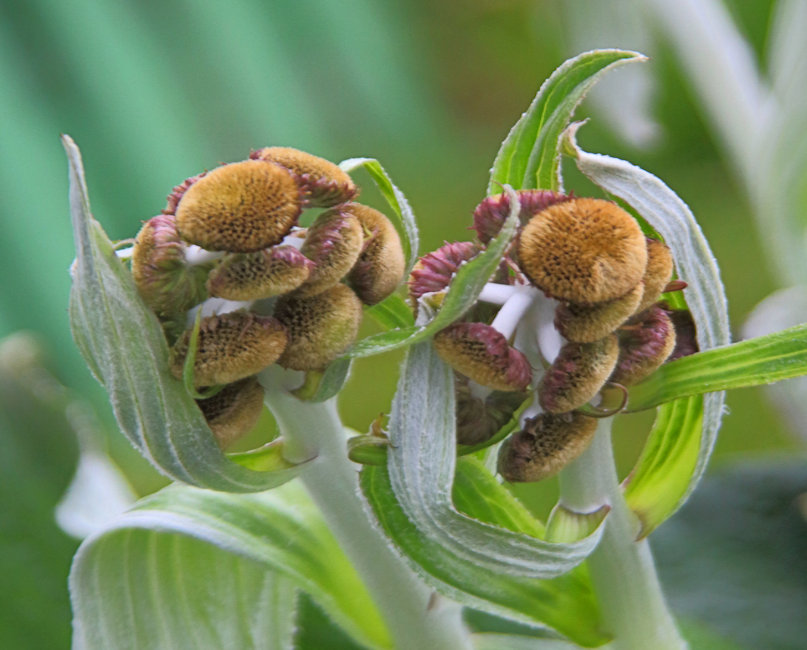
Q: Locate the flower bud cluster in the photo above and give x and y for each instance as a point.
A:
(229, 242)
(589, 264)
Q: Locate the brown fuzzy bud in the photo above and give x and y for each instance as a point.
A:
(167, 284)
(546, 445)
(381, 264)
(589, 323)
(686, 336)
(583, 250)
(644, 346)
(234, 410)
(172, 200)
(491, 213)
(254, 276)
(482, 354)
(320, 327)
(657, 274)
(240, 208)
(577, 374)
(333, 243)
(323, 183)
(434, 271)
(478, 420)
(230, 347)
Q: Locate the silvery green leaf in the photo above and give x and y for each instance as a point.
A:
(404, 222)
(684, 435)
(528, 157)
(124, 346)
(202, 569)
(492, 641)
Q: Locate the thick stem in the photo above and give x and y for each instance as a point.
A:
(622, 570)
(414, 621)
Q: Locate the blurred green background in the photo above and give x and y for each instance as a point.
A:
(154, 91)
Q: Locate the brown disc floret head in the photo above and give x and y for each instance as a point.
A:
(241, 207)
(658, 273)
(255, 276)
(583, 251)
(645, 344)
(234, 410)
(589, 323)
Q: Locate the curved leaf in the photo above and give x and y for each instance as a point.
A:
(124, 346)
(761, 360)
(189, 567)
(674, 458)
(392, 312)
(462, 293)
(528, 157)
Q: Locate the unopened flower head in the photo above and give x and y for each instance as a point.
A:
(658, 273)
(172, 200)
(644, 346)
(255, 276)
(479, 418)
(234, 410)
(589, 323)
(241, 207)
(434, 271)
(324, 185)
(491, 213)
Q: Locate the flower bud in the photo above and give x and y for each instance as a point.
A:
(545, 446)
(686, 337)
(320, 327)
(644, 346)
(333, 243)
(234, 410)
(241, 207)
(434, 271)
(478, 420)
(482, 354)
(381, 264)
(230, 347)
(491, 213)
(583, 251)
(163, 279)
(657, 274)
(323, 183)
(589, 323)
(254, 276)
(172, 200)
(577, 374)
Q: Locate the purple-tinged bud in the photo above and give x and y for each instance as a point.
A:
(234, 410)
(434, 271)
(583, 251)
(254, 276)
(177, 193)
(491, 213)
(230, 347)
(323, 183)
(482, 354)
(241, 207)
(320, 327)
(657, 274)
(545, 446)
(686, 336)
(163, 279)
(644, 345)
(577, 374)
(381, 264)
(478, 420)
(333, 243)
(589, 323)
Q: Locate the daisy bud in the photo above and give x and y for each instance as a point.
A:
(320, 327)
(323, 183)
(644, 346)
(482, 354)
(254, 276)
(545, 446)
(491, 213)
(583, 251)
(577, 374)
(657, 274)
(163, 279)
(478, 420)
(434, 271)
(230, 347)
(381, 264)
(234, 410)
(333, 243)
(589, 323)
(240, 208)
(177, 193)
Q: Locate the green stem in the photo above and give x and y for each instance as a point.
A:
(414, 619)
(622, 569)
